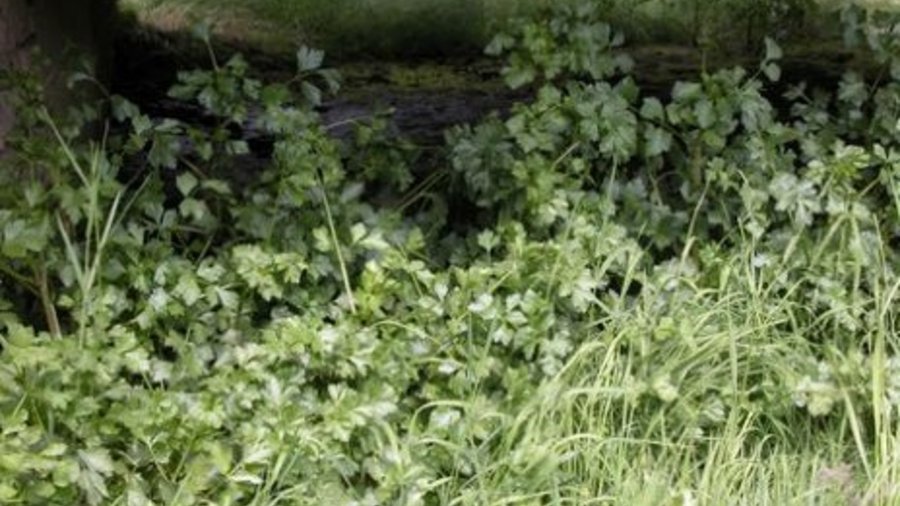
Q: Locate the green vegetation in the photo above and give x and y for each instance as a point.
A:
(605, 298)
(415, 28)
(346, 28)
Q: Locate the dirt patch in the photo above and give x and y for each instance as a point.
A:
(420, 115)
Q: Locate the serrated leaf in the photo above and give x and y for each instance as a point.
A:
(375, 241)
(21, 238)
(94, 486)
(141, 124)
(202, 31)
(205, 150)
(274, 95)
(705, 113)
(54, 450)
(322, 239)
(193, 208)
(773, 50)
(309, 59)
(238, 147)
(499, 44)
(311, 93)
(487, 240)
(772, 71)
(123, 109)
(227, 298)
(652, 109)
(7, 493)
(332, 79)
(97, 460)
(137, 497)
(188, 290)
(658, 141)
(516, 77)
(357, 232)
(186, 182)
(682, 91)
(216, 186)
(164, 152)
(220, 456)
(257, 455)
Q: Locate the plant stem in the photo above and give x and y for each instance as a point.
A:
(43, 284)
(337, 249)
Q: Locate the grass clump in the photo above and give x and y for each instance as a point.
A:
(646, 301)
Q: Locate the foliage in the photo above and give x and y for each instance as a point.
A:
(679, 300)
(575, 41)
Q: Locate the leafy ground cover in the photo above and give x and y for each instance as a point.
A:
(605, 298)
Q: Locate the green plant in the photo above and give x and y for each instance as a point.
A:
(689, 300)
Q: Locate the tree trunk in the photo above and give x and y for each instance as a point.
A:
(16, 34)
(64, 31)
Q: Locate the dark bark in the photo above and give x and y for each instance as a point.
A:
(64, 31)
(15, 31)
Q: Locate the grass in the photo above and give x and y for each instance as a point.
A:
(345, 28)
(354, 29)
(585, 438)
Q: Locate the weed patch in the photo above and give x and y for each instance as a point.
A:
(681, 301)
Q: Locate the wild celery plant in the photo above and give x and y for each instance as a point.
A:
(681, 301)
(85, 256)
(686, 398)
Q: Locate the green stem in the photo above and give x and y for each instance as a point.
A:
(50, 315)
(337, 249)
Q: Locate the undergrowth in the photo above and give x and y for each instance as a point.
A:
(681, 301)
